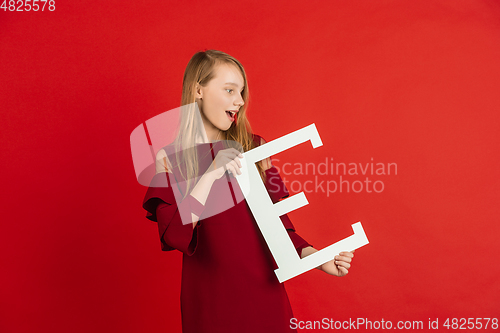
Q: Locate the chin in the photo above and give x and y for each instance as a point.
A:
(225, 128)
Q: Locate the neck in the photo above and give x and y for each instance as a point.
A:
(215, 135)
(212, 133)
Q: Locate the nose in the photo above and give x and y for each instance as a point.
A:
(240, 103)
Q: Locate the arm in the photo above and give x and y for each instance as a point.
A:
(173, 216)
(339, 266)
(200, 191)
(178, 219)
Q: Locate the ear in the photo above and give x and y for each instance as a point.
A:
(198, 93)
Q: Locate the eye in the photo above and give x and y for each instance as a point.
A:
(229, 90)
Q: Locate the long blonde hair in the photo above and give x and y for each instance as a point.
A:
(200, 70)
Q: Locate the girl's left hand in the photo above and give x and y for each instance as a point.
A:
(340, 265)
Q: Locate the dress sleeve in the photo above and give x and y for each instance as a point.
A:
(161, 206)
(277, 191)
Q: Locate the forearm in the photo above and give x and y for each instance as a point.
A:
(308, 251)
(200, 192)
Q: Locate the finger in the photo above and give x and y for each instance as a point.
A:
(343, 258)
(237, 160)
(347, 254)
(230, 170)
(342, 271)
(233, 170)
(235, 167)
(344, 264)
(226, 161)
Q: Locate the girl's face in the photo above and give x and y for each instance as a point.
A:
(221, 95)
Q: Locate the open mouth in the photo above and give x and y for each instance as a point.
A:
(231, 115)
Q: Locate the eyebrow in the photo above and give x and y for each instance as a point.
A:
(233, 84)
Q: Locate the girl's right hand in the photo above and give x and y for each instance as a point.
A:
(226, 159)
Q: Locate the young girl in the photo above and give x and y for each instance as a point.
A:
(228, 279)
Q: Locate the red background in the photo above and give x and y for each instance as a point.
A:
(406, 82)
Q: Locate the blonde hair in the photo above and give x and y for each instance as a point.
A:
(201, 70)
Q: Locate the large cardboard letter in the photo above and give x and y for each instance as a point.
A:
(268, 214)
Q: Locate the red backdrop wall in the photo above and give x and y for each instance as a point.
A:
(404, 82)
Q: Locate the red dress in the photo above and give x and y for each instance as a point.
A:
(228, 279)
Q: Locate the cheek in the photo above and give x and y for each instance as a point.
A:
(220, 101)
(213, 106)
(216, 104)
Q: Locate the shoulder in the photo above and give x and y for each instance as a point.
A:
(166, 151)
(258, 140)
(160, 154)
(162, 161)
